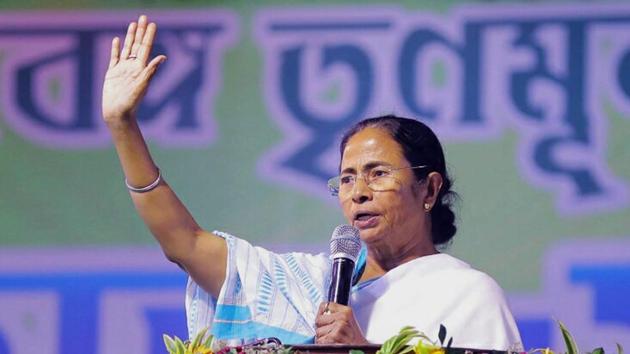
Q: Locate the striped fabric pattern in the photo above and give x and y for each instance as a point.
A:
(264, 295)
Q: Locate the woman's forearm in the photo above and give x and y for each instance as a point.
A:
(202, 254)
(164, 214)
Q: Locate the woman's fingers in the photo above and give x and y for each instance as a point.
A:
(147, 43)
(332, 307)
(336, 332)
(336, 323)
(140, 30)
(325, 320)
(137, 45)
(323, 307)
(115, 53)
(150, 70)
(130, 70)
(321, 333)
(131, 33)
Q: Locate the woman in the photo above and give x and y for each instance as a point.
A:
(393, 187)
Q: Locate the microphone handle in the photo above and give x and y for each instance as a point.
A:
(339, 291)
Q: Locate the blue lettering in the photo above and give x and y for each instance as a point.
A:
(161, 321)
(82, 118)
(79, 295)
(324, 129)
(176, 111)
(183, 94)
(574, 116)
(611, 285)
(623, 73)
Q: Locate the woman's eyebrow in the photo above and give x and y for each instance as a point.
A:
(368, 166)
(372, 164)
(348, 170)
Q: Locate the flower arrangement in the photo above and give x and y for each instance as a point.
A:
(398, 344)
(205, 343)
(201, 344)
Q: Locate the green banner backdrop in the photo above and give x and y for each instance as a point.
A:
(531, 100)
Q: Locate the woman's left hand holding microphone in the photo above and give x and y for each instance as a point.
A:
(335, 324)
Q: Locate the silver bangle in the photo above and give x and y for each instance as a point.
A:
(148, 188)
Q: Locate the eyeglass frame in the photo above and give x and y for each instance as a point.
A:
(334, 191)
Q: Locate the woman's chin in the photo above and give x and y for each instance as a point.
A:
(370, 235)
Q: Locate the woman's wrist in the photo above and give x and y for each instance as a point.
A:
(119, 121)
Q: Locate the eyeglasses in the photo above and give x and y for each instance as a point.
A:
(378, 179)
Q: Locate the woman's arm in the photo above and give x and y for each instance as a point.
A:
(202, 254)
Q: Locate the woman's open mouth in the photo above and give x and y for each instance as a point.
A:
(365, 220)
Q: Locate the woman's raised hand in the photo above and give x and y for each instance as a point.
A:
(129, 71)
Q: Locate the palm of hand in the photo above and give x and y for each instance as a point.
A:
(123, 88)
(128, 74)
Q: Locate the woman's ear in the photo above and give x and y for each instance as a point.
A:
(434, 184)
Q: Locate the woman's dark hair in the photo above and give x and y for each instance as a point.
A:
(420, 146)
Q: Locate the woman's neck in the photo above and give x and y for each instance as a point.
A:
(381, 260)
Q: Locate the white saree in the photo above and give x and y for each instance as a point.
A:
(277, 295)
(433, 290)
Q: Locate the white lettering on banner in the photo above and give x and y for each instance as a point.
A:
(53, 65)
(29, 322)
(125, 319)
(546, 72)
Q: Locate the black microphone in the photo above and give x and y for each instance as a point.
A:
(344, 250)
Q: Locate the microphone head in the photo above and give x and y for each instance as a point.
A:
(345, 243)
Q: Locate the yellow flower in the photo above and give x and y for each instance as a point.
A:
(427, 348)
(199, 349)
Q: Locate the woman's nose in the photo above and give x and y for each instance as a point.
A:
(361, 193)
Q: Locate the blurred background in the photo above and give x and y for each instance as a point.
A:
(530, 99)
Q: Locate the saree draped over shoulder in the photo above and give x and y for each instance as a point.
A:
(277, 295)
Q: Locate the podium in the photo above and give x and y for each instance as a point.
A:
(334, 348)
(372, 348)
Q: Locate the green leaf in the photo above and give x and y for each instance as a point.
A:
(197, 341)
(179, 345)
(289, 350)
(598, 351)
(209, 341)
(568, 340)
(398, 343)
(355, 351)
(619, 349)
(170, 344)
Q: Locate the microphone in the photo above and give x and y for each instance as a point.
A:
(344, 250)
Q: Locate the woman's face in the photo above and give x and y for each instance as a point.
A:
(390, 220)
